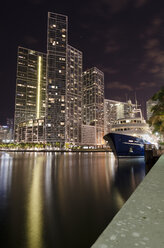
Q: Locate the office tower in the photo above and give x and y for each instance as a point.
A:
(64, 84)
(93, 101)
(73, 96)
(30, 86)
(31, 131)
(3, 133)
(56, 77)
(88, 134)
(10, 124)
(114, 110)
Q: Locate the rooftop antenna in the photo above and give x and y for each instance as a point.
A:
(135, 98)
(126, 97)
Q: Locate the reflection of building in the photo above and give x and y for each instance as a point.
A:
(88, 135)
(93, 101)
(149, 105)
(31, 131)
(114, 110)
(30, 86)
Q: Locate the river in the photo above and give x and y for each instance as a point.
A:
(62, 200)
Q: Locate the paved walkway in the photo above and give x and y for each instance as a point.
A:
(140, 222)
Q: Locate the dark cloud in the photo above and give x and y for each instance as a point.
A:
(120, 5)
(154, 26)
(146, 85)
(109, 70)
(116, 5)
(155, 69)
(152, 43)
(119, 86)
(155, 56)
(30, 40)
(36, 2)
(112, 47)
(140, 3)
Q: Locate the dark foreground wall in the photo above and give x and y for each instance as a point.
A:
(140, 222)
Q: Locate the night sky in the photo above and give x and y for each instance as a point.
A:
(123, 38)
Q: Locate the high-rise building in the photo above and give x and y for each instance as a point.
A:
(114, 110)
(74, 96)
(30, 86)
(64, 84)
(31, 131)
(93, 101)
(57, 39)
(10, 124)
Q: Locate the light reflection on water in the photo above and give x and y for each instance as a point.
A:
(62, 199)
(5, 177)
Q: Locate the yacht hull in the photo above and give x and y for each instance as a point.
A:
(125, 145)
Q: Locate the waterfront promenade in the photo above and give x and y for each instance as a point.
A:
(140, 222)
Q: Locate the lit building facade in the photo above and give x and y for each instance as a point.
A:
(74, 96)
(5, 134)
(57, 39)
(64, 84)
(88, 135)
(93, 101)
(114, 110)
(30, 86)
(31, 131)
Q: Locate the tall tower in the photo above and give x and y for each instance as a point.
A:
(30, 86)
(93, 101)
(64, 84)
(73, 96)
(56, 77)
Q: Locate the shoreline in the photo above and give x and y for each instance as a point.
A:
(44, 150)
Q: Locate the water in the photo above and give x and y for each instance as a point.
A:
(62, 200)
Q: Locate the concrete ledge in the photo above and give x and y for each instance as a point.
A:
(140, 222)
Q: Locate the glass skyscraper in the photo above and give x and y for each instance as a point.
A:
(74, 95)
(56, 77)
(64, 84)
(53, 98)
(93, 101)
(30, 86)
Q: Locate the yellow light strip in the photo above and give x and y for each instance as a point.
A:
(38, 88)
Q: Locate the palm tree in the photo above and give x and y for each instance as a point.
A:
(157, 118)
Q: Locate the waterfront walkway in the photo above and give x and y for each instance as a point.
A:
(140, 222)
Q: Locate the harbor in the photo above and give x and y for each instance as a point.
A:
(82, 124)
(62, 199)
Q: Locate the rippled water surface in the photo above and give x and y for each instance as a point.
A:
(62, 200)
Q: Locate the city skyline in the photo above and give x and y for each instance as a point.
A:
(54, 98)
(123, 39)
